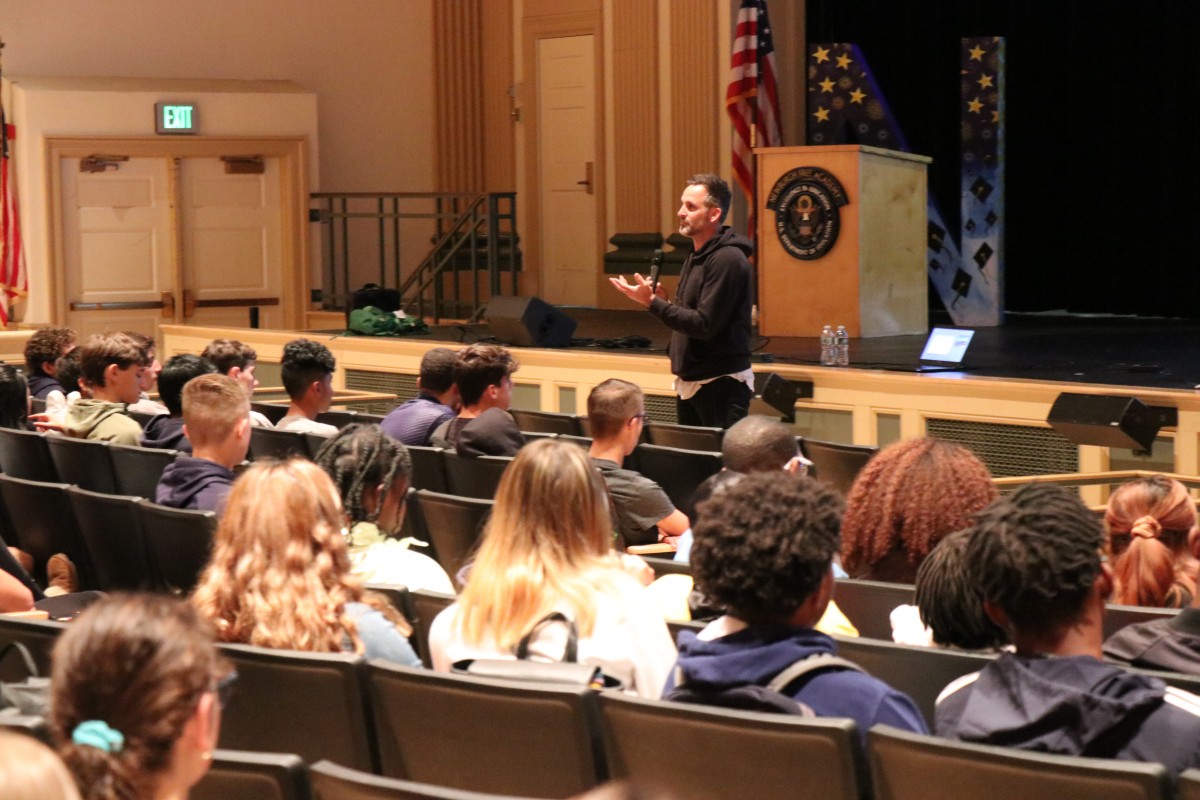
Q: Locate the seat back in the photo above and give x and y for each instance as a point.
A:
(454, 525)
(1117, 616)
(706, 753)
(667, 566)
(459, 731)
(265, 776)
(272, 411)
(1189, 785)
(39, 517)
(270, 443)
(837, 464)
(910, 766)
(337, 418)
(331, 782)
(426, 605)
(474, 477)
(547, 422)
(429, 470)
(868, 604)
(25, 454)
(85, 463)
(38, 635)
(138, 469)
(677, 471)
(310, 704)
(141, 417)
(179, 542)
(313, 442)
(111, 529)
(684, 437)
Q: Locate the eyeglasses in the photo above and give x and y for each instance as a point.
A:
(641, 416)
(224, 687)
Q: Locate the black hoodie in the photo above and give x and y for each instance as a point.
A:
(711, 313)
(1076, 706)
(190, 482)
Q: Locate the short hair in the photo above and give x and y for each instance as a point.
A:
(1148, 520)
(1036, 554)
(610, 404)
(437, 370)
(764, 543)
(949, 599)
(144, 341)
(304, 361)
(174, 376)
(14, 398)
(719, 195)
(758, 444)
(479, 366)
(212, 404)
(46, 344)
(358, 457)
(68, 371)
(225, 354)
(102, 349)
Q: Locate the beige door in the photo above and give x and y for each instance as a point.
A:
(118, 245)
(567, 170)
(231, 221)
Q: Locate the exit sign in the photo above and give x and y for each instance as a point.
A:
(175, 117)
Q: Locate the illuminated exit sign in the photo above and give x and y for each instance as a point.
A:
(175, 117)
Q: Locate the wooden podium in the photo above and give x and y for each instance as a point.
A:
(841, 241)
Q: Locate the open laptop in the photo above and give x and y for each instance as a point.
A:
(944, 350)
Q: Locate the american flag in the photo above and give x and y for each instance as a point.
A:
(14, 280)
(752, 99)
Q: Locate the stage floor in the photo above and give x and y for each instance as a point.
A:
(1118, 351)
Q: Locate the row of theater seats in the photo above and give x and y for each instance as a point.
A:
(539, 740)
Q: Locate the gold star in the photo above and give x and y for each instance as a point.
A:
(844, 61)
(822, 114)
(826, 85)
(975, 106)
(822, 54)
(985, 81)
(995, 116)
(857, 96)
(976, 53)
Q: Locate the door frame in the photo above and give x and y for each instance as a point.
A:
(293, 203)
(586, 23)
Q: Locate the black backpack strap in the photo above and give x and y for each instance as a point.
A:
(807, 666)
(570, 654)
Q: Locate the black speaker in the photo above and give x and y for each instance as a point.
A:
(774, 396)
(529, 322)
(1107, 421)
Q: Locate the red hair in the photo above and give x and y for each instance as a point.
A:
(1148, 520)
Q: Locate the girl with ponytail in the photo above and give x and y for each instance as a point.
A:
(1148, 522)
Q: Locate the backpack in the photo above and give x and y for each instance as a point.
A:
(373, 321)
(28, 697)
(772, 698)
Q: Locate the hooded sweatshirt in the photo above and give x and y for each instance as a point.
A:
(166, 433)
(755, 655)
(710, 317)
(99, 419)
(198, 483)
(1076, 706)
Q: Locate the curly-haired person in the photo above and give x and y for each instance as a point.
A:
(764, 552)
(42, 351)
(1037, 557)
(910, 495)
(307, 371)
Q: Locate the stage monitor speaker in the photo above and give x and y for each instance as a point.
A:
(774, 396)
(529, 322)
(1108, 421)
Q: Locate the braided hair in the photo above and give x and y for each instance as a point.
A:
(949, 599)
(359, 457)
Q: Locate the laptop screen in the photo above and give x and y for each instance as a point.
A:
(947, 345)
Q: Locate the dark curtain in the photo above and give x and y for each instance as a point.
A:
(1101, 111)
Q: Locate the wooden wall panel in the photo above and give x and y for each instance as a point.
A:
(696, 88)
(458, 98)
(499, 127)
(635, 145)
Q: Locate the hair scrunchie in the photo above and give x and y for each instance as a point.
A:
(97, 733)
(1146, 527)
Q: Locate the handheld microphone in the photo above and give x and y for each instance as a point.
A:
(655, 264)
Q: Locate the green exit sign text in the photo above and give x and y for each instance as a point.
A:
(175, 117)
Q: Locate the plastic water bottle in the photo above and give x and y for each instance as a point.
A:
(827, 347)
(841, 347)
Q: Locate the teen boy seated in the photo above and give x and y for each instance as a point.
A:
(307, 370)
(149, 379)
(483, 427)
(1037, 556)
(414, 421)
(110, 366)
(763, 551)
(42, 351)
(216, 418)
(644, 513)
(165, 431)
(238, 361)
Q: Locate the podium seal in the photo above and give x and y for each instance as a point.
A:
(806, 202)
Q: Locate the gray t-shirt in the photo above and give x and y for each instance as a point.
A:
(640, 503)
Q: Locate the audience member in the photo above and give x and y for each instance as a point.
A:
(1148, 522)
(280, 577)
(136, 695)
(148, 377)
(14, 399)
(372, 471)
(70, 378)
(307, 370)
(910, 495)
(14, 595)
(547, 548)
(42, 351)
(1037, 556)
(216, 422)
(166, 430)
(238, 361)
(111, 365)
(31, 771)
(483, 427)
(764, 552)
(644, 513)
(414, 421)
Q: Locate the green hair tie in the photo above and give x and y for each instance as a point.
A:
(97, 733)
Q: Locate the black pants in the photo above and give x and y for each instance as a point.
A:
(718, 404)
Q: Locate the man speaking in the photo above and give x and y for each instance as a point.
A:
(710, 318)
